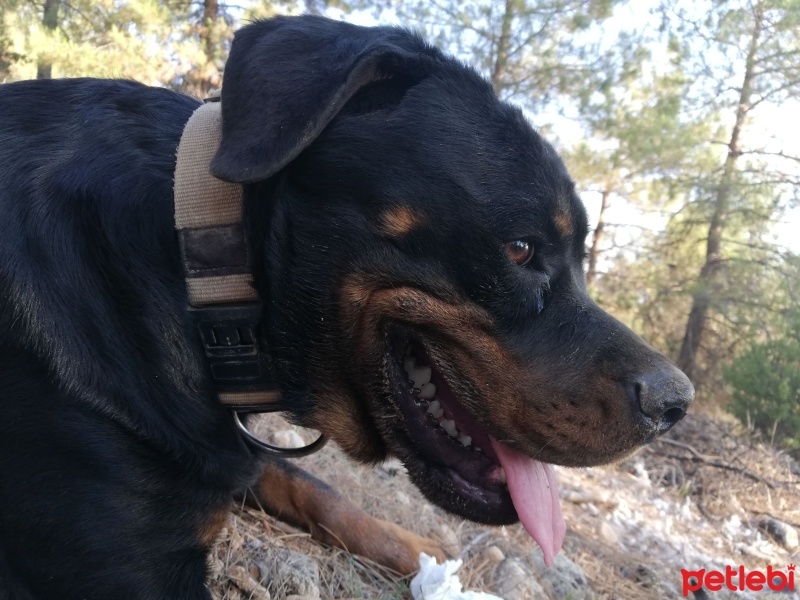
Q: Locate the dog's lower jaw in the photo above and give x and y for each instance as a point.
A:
(445, 488)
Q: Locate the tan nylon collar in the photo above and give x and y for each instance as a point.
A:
(208, 217)
(203, 202)
(222, 300)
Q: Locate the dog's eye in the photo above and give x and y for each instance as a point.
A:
(520, 252)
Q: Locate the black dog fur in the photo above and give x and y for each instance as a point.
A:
(114, 452)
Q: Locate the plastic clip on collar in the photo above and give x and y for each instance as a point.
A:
(224, 305)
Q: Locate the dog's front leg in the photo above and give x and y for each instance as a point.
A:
(294, 496)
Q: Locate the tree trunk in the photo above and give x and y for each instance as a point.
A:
(597, 236)
(44, 68)
(210, 13)
(701, 299)
(205, 78)
(503, 46)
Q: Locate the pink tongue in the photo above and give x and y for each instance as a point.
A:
(534, 491)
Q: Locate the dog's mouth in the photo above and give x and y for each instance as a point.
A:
(455, 461)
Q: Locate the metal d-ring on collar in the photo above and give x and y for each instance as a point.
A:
(277, 450)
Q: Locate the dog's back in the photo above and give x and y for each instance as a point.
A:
(91, 284)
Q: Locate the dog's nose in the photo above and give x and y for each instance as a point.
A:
(663, 396)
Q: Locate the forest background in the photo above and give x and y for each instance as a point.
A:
(679, 121)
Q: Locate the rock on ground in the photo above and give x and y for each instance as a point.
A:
(566, 579)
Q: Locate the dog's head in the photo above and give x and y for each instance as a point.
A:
(419, 250)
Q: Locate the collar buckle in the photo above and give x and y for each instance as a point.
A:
(230, 346)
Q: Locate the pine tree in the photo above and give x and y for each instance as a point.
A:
(745, 58)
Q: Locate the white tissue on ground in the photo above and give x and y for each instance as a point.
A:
(440, 582)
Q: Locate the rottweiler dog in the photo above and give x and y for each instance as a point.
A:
(418, 250)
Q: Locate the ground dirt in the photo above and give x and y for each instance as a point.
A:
(691, 500)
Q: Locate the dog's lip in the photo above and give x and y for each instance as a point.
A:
(473, 474)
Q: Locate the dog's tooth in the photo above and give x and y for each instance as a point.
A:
(501, 475)
(428, 391)
(449, 426)
(435, 409)
(420, 375)
(465, 440)
(477, 449)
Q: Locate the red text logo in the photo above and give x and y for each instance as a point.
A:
(739, 579)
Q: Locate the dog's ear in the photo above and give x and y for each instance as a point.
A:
(286, 78)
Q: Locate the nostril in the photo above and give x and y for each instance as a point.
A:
(663, 396)
(637, 392)
(672, 416)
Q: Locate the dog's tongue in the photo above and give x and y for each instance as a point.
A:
(534, 491)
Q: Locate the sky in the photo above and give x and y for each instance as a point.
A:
(779, 130)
